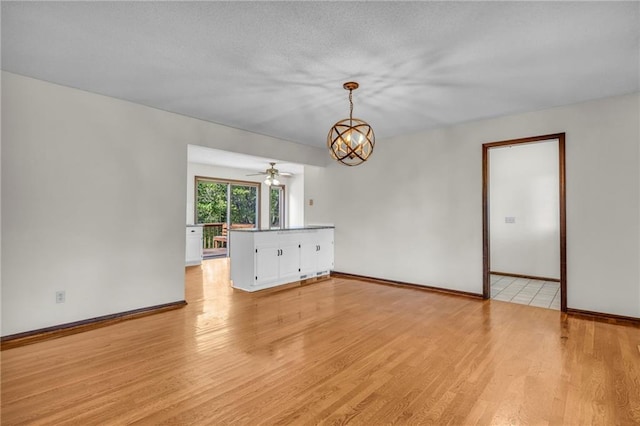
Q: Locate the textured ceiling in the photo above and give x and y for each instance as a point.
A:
(277, 68)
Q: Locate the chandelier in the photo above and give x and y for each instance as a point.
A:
(351, 140)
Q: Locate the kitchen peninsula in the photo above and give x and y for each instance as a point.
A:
(265, 258)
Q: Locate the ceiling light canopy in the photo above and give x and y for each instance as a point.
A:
(351, 140)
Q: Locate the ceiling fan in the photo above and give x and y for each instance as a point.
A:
(272, 175)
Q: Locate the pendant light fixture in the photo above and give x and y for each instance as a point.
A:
(351, 140)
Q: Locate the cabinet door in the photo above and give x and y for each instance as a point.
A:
(289, 260)
(325, 251)
(193, 251)
(267, 258)
(308, 256)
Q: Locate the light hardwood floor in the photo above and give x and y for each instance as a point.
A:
(335, 352)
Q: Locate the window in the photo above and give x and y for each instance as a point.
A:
(276, 206)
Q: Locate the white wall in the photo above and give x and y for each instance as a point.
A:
(413, 212)
(93, 200)
(317, 197)
(1, 174)
(294, 204)
(523, 186)
(293, 191)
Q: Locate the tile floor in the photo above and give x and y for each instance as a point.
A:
(544, 294)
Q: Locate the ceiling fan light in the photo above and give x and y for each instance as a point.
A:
(271, 180)
(272, 175)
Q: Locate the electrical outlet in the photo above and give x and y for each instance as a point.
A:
(60, 296)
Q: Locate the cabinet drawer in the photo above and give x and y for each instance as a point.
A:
(194, 230)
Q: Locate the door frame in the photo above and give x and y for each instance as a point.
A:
(229, 183)
(486, 280)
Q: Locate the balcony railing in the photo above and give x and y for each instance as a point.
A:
(212, 230)
(209, 232)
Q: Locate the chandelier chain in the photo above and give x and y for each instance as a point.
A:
(351, 105)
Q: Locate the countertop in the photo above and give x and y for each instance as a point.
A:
(292, 228)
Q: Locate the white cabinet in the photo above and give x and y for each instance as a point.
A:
(267, 264)
(316, 253)
(263, 259)
(325, 251)
(275, 262)
(193, 249)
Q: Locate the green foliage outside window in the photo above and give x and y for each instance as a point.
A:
(274, 207)
(243, 204)
(211, 203)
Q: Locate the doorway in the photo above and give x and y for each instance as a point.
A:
(221, 205)
(510, 220)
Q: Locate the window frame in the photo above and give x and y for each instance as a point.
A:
(229, 183)
(281, 207)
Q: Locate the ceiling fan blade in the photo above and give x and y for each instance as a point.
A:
(272, 171)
